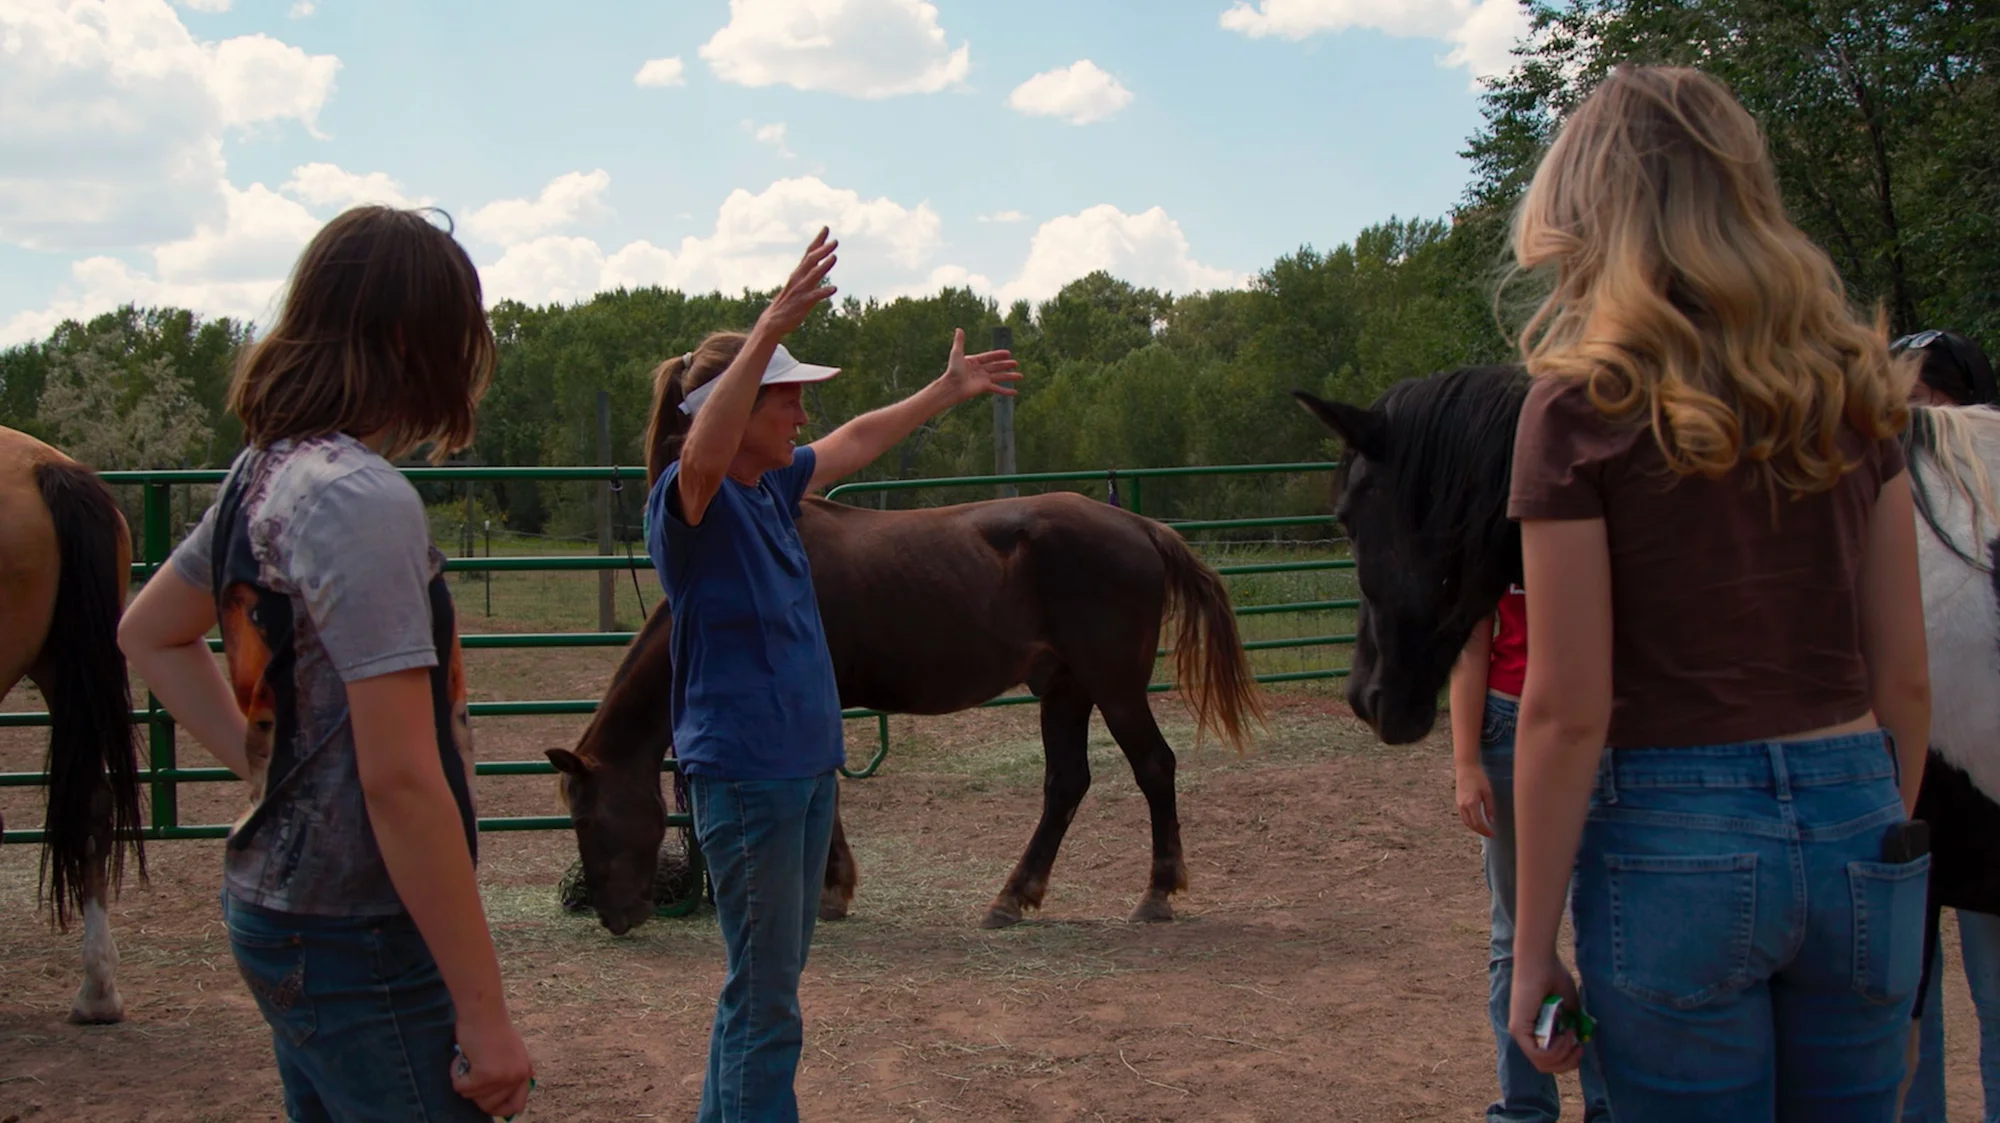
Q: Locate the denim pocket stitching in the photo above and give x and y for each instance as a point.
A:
(263, 941)
(1737, 954)
(1897, 878)
(284, 1002)
(1623, 814)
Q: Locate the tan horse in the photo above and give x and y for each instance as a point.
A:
(65, 566)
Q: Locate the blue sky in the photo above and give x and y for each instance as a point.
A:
(183, 152)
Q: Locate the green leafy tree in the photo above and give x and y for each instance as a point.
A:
(1880, 117)
(110, 411)
(140, 342)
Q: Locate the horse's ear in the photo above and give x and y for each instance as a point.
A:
(1359, 426)
(566, 761)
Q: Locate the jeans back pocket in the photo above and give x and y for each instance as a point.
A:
(273, 966)
(1889, 902)
(1682, 927)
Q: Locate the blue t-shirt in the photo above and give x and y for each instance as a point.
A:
(753, 689)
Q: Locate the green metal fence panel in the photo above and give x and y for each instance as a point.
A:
(164, 774)
(1082, 476)
(159, 726)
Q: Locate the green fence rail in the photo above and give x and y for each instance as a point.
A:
(163, 774)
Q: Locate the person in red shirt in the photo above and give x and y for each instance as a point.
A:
(1485, 696)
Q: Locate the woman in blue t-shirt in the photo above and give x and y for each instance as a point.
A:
(757, 725)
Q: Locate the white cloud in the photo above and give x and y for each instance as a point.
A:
(1002, 216)
(567, 199)
(259, 240)
(553, 270)
(861, 48)
(258, 79)
(1147, 249)
(1481, 31)
(756, 241)
(101, 284)
(943, 277)
(301, 9)
(1484, 43)
(236, 266)
(661, 72)
(1079, 93)
(326, 185)
(772, 134)
(112, 118)
(233, 265)
(232, 268)
(204, 5)
(886, 251)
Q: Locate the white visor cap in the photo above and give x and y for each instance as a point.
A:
(781, 369)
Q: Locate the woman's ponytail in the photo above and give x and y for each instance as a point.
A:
(673, 381)
(668, 426)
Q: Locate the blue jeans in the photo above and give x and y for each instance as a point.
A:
(1527, 1095)
(1979, 942)
(765, 842)
(1745, 950)
(360, 1019)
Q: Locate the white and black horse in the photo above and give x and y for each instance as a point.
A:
(1423, 498)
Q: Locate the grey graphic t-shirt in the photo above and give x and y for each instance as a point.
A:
(323, 571)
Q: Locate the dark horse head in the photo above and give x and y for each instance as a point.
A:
(1422, 496)
(611, 782)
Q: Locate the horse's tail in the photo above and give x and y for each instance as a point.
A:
(93, 758)
(1210, 665)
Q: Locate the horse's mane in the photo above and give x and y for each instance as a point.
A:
(1451, 440)
(1947, 439)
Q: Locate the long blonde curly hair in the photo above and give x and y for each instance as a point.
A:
(1683, 294)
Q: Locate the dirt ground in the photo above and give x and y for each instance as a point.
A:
(1328, 963)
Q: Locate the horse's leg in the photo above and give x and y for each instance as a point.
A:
(841, 875)
(97, 1000)
(1066, 777)
(1131, 722)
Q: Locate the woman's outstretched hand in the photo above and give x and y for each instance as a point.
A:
(989, 372)
(804, 289)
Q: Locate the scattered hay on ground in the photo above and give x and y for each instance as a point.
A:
(675, 880)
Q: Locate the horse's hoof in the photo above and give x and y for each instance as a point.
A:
(1000, 917)
(832, 909)
(104, 1011)
(1153, 910)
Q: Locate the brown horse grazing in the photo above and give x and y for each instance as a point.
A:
(935, 611)
(65, 565)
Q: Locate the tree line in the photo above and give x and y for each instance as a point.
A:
(1884, 119)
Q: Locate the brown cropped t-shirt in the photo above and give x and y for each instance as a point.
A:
(1725, 626)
